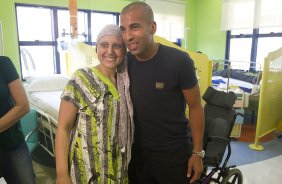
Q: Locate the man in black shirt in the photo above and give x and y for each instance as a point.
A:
(162, 81)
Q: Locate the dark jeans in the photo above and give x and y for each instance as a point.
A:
(16, 165)
(159, 167)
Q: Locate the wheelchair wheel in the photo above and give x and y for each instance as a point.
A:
(204, 173)
(234, 176)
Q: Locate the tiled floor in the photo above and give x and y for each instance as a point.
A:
(267, 171)
(44, 175)
(257, 166)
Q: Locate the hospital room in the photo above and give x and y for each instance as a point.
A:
(236, 48)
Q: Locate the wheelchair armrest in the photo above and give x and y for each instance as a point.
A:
(215, 147)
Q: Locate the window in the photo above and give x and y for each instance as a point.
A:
(38, 19)
(64, 24)
(266, 45)
(44, 30)
(98, 21)
(254, 28)
(37, 46)
(239, 52)
(250, 47)
(31, 54)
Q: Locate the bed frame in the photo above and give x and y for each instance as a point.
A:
(47, 127)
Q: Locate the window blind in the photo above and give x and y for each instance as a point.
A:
(245, 14)
(170, 18)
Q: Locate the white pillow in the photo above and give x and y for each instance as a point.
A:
(46, 83)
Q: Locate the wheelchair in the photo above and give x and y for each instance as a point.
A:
(219, 120)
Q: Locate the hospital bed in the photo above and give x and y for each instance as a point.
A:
(243, 83)
(44, 95)
(246, 86)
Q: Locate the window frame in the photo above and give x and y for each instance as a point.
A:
(55, 31)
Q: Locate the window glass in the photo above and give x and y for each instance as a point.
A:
(64, 24)
(34, 24)
(37, 60)
(266, 45)
(240, 51)
(98, 21)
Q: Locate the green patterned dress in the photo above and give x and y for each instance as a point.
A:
(95, 155)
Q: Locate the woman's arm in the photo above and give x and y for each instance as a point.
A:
(67, 117)
(21, 105)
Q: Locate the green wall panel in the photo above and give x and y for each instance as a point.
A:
(209, 38)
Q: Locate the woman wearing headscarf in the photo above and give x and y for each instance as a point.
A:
(94, 135)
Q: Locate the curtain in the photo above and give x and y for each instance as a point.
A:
(246, 14)
(268, 14)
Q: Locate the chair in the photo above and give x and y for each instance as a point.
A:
(29, 129)
(219, 120)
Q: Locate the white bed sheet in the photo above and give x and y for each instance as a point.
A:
(221, 83)
(48, 102)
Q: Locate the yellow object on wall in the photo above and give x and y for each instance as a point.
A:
(81, 55)
(270, 102)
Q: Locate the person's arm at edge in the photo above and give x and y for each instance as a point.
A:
(197, 126)
(21, 105)
(67, 116)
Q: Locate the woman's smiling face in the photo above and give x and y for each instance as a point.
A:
(110, 51)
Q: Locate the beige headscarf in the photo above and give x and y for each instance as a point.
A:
(109, 30)
(126, 126)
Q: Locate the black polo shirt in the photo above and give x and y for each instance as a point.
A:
(159, 104)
